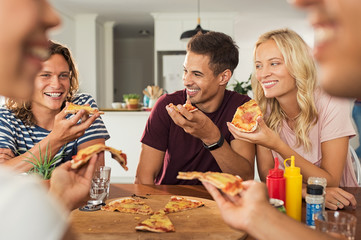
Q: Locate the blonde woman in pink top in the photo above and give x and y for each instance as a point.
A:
(300, 119)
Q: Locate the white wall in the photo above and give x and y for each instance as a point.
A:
(66, 32)
(249, 28)
(91, 43)
(168, 28)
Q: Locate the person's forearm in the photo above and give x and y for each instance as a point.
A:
(231, 162)
(20, 163)
(144, 180)
(270, 224)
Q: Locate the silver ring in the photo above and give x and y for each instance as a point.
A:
(338, 204)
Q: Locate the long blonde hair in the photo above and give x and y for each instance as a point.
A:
(22, 109)
(301, 67)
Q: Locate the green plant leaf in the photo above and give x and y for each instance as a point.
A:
(131, 96)
(242, 87)
(44, 164)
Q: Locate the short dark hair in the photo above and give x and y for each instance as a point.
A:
(221, 49)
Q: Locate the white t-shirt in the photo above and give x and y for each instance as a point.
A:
(334, 121)
(27, 211)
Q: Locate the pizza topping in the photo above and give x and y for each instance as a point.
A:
(228, 183)
(84, 155)
(188, 105)
(158, 222)
(128, 205)
(245, 118)
(178, 204)
(74, 108)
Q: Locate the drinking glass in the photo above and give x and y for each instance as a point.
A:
(338, 224)
(100, 182)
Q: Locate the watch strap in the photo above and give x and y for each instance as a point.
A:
(216, 145)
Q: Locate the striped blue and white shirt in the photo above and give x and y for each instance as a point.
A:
(18, 137)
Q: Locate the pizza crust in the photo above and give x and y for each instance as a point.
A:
(84, 155)
(248, 130)
(128, 205)
(228, 183)
(159, 222)
(190, 108)
(179, 204)
(74, 108)
(245, 118)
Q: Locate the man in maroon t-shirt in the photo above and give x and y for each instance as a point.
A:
(199, 140)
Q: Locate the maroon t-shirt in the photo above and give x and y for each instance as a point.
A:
(183, 152)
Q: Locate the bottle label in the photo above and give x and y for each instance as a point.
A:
(311, 211)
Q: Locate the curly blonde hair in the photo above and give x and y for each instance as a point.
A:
(22, 109)
(301, 67)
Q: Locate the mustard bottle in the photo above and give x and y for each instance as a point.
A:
(293, 189)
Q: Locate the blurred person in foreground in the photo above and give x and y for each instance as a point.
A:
(27, 210)
(336, 24)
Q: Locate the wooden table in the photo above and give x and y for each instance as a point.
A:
(203, 223)
(124, 190)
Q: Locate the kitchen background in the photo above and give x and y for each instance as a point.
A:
(121, 46)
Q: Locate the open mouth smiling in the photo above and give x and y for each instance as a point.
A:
(53, 94)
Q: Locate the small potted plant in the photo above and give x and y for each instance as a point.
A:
(43, 165)
(132, 100)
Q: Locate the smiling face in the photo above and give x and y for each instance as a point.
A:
(51, 85)
(203, 88)
(338, 43)
(23, 43)
(272, 72)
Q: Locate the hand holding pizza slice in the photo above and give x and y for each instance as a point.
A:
(84, 155)
(245, 118)
(228, 183)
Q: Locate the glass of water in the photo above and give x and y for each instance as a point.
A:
(100, 182)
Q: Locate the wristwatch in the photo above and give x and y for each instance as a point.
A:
(216, 145)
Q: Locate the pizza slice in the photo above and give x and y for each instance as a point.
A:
(245, 118)
(228, 183)
(178, 204)
(74, 108)
(188, 105)
(128, 205)
(84, 155)
(158, 222)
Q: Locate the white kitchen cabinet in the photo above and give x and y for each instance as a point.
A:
(125, 129)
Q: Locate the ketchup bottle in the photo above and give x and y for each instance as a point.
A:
(276, 183)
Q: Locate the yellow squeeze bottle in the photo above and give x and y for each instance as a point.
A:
(293, 178)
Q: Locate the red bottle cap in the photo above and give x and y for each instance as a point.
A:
(275, 172)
